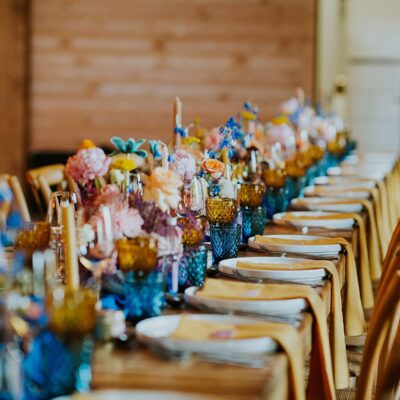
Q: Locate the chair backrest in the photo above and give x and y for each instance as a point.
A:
(383, 320)
(388, 385)
(19, 198)
(42, 179)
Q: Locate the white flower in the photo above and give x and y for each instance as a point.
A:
(227, 189)
(116, 176)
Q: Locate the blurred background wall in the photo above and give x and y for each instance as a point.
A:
(112, 67)
(71, 69)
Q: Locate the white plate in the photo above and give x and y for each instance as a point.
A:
(338, 191)
(344, 181)
(262, 307)
(229, 268)
(317, 204)
(282, 219)
(136, 395)
(322, 249)
(337, 171)
(158, 330)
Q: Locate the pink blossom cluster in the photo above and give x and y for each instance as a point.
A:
(126, 221)
(87, 164)
(184, 165)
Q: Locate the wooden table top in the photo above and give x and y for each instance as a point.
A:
(114, 368)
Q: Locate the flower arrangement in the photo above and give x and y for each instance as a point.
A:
(163, 188)
(184, 164)
(87, 165)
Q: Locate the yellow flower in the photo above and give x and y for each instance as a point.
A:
(282, 119)
(190, 140)
(124, 164)
(248, 115)
(87, 144)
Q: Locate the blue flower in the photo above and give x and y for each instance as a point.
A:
(155, 149)
(181, 131)
(129, 146)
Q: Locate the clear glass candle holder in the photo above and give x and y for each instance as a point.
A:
(192, 267)
(225, 240)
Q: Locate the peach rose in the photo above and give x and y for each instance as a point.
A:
(214, 167)
(163, 188)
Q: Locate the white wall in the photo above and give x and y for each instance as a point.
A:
(373, 31)
(365, 40)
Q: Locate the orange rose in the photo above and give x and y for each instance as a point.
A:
(214, 167)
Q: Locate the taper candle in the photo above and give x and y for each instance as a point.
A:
(70, 247)
(177, 121)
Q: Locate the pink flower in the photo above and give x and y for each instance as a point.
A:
(110, 195)
(280, 134)
(184, 164)
(87, 164)
(212, 140)
(127, 222)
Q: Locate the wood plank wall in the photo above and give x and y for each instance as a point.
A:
(14, 16)
(112, 67)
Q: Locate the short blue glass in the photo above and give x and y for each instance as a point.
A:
(276, 200)
(295, 187)
(225, 240)
(56, 367)
(192, 267)
(253, 221)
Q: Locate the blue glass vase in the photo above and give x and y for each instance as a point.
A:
(276, 200)
(144, 295)
(311, 174)
(138, 295)
(56, 366)
(253, 221)
(225, 240)
(192, 267)
(295, 187)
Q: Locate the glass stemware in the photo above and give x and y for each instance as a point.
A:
(192, 198)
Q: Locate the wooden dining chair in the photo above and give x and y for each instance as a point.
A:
(388, 386)
(380, 349)
(42, 179)
(19, 198)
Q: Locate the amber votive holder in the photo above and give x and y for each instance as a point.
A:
(72, 312)
(137, 254)
(221, 211)
(251, 194)
(33, 236)
(274, 178)
(293, 169)
(192, 231)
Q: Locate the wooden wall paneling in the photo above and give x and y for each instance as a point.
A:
(14, 55)
(113, 67)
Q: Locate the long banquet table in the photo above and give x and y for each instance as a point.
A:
(140, 369)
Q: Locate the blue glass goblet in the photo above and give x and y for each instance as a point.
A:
(192, 267)
(276, 200)
(225, 240)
